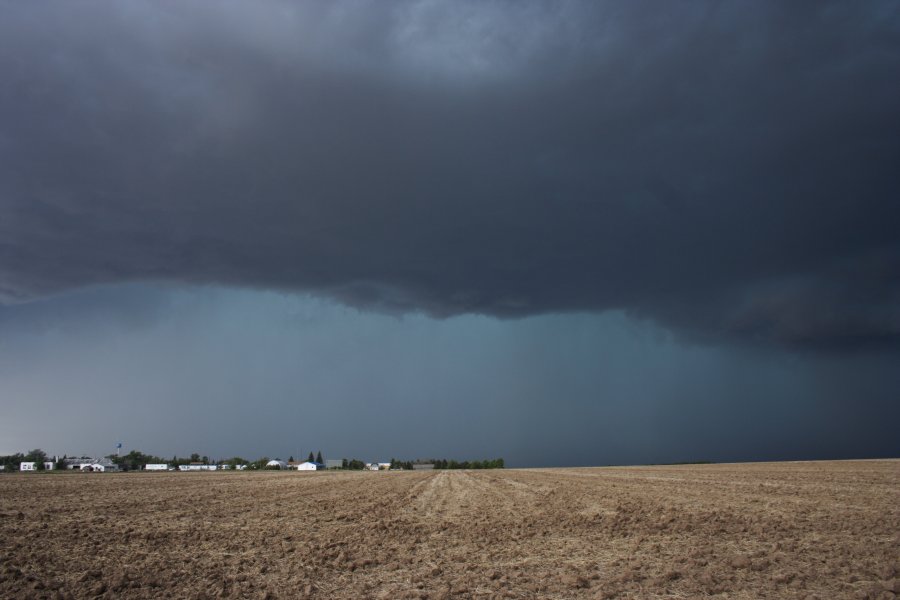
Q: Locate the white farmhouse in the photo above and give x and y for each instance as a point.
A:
(308, 466)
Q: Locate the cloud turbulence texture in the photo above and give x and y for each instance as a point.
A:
(730, 171)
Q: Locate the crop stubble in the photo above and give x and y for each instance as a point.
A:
(776, 530)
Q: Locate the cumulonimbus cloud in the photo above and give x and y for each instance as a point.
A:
(729, 171)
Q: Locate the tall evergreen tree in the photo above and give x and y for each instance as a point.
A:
(311, 457)
(319, 458)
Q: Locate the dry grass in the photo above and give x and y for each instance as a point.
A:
(788, 530)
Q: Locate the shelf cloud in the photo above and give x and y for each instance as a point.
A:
(728, 171)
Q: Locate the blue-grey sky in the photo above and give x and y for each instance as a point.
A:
(562, 233)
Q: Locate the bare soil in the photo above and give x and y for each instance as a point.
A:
(775, 530)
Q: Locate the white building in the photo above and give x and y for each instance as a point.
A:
(90, 464)
(276, 464)
(156, 467)
(197, 467)
(308, 466)
(103, 465)
(75, 463)
(32, 466)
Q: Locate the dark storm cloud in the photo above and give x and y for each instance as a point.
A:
(729, 170)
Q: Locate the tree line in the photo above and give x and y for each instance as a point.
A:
(37, 456)
(135, 460)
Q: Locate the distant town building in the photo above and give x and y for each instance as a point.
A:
(75, 463)
(156, 467)
(195, 466)
(310, 466)
(32, 466)
(101, 466)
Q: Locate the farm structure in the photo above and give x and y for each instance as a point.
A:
(310, 466)
(197, 467)
(32, 466)
(99, 467)
(90, 465)
(156, 467)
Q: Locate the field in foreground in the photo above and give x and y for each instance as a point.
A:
(776, 530)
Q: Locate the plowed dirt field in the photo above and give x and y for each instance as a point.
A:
(786, 530)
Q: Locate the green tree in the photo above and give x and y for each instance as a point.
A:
(37, 455)
(259, 463)
(311, 457)
(291, 458)
(12, 461)
(319, 458)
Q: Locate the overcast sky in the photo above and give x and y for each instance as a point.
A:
(561, 233)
